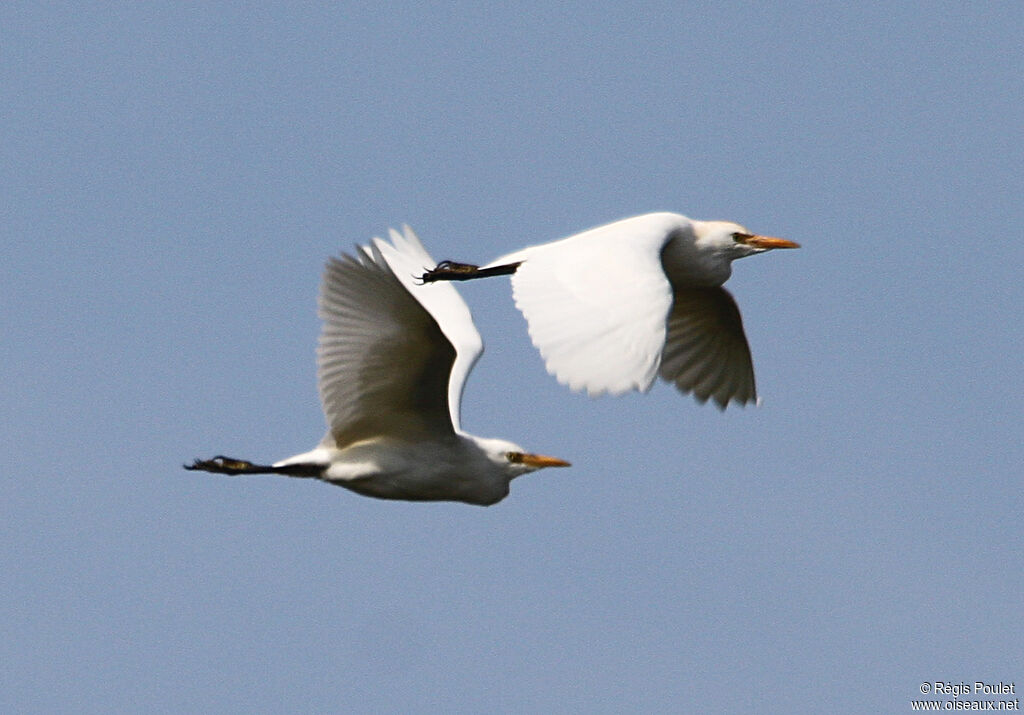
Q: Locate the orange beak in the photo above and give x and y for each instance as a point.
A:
(767, 242)
(539, 460)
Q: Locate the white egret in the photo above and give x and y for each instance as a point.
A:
(612, 307)
(392, 361)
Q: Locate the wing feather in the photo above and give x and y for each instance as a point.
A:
(596, 303)
(383, 362)
(706, 351)
(408, 260)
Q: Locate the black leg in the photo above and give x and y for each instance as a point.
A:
(228, 465)
(452, 271)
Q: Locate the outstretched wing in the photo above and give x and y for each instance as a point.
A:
(384, 363)
(706, 350)
(596, 303)
(408, 260)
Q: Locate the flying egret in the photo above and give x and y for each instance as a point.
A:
(391, 364)
(612, 307)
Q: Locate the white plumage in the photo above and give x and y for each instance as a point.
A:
(392, 361)
(611, 308)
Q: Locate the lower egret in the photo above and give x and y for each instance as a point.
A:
(392, 361)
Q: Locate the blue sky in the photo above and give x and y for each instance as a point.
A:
(174, 178)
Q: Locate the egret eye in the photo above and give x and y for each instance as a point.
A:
(514, 457)
(740, 237)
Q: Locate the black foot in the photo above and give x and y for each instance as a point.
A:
(452, 271)
(222, 465)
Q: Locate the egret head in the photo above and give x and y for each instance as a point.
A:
(733, 241)
(513, 460)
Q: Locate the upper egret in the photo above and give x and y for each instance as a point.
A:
(392, 360)
(612, 307)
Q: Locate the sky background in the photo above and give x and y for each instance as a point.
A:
(173, 179)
